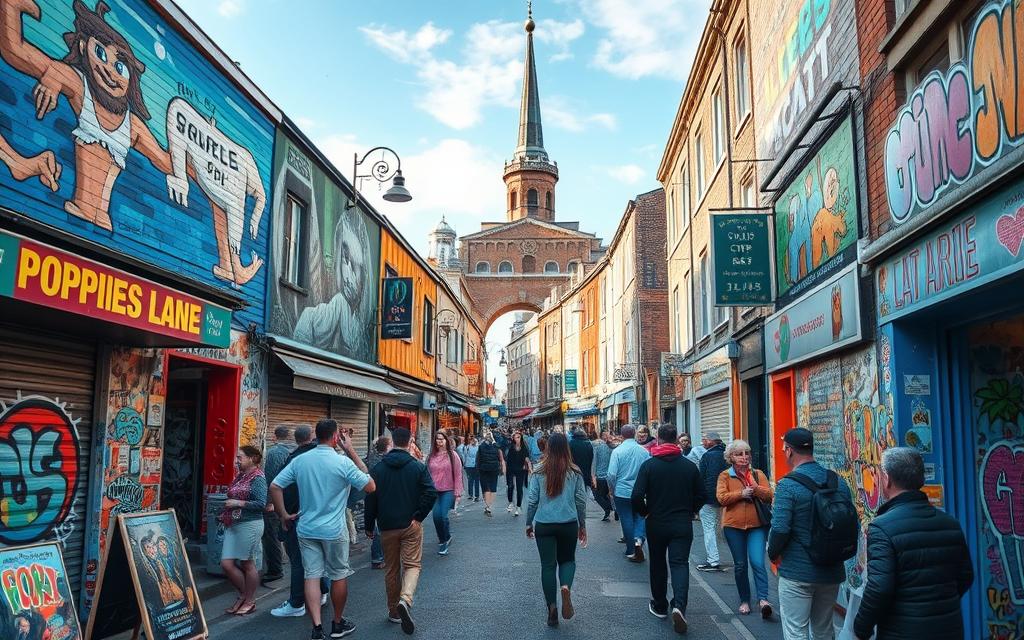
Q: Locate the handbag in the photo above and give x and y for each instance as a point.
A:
(764, 511)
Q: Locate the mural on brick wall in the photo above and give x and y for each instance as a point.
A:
(325, 283)
(957, 123)
(997, 388)
(838, 400)
(115, 129)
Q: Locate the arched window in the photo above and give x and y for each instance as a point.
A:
(550, 267)
(547, 200)
(505, 267)
(531, 198)
(483, 267)
(573, 265)
(512, 200)
(529, 264)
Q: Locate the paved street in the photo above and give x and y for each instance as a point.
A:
(489, 587)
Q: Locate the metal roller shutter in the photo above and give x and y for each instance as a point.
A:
(355, 415)
(291, 407)
(714, 415)
(55, 378)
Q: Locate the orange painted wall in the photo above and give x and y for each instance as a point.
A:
(589, 337)
(407, 356)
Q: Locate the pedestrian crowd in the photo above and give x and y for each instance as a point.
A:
(651, 479)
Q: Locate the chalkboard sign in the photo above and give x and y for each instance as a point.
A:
(741, 259)
(36, 597)
(145, 581)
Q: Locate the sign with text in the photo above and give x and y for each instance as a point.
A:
(570, 381)
(396, 309)
(741, 259)
(826, 319)
(37, 601)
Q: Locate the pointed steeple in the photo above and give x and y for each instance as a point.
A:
(531, 133)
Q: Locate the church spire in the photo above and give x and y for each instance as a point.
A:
(531, 134)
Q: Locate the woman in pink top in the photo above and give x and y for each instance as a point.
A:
(446, 472)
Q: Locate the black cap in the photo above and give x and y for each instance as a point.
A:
(800, 439)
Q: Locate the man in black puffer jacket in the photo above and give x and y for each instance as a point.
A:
(918, 562)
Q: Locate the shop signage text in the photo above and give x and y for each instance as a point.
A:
(396, 310)
(741, 257)
(710, 370)
(824, 320)
(570, 381)
(47, 276)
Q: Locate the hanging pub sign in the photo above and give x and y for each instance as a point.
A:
(396, 309)
(741, 259)
(37, 600)
(145, 582)
(570, 381)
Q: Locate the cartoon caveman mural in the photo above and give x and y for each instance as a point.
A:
(829, 226)
(100, 77)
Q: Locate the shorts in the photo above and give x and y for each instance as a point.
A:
(325, 558)
(489, 481)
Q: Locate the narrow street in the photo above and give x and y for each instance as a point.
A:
(489, 587)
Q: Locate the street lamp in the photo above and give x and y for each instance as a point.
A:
(381, 171)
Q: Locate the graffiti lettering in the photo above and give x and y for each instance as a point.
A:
(126, 492)
(1002, 491)
(30, 587)
(39, 472)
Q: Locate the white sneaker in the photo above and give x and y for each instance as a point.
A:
(323, 599)
(509, 509)
(286, 610)
(516, 512)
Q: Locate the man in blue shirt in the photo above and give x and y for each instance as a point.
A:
(324, 479)
(622, 471)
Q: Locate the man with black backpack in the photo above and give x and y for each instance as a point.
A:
(814, 530)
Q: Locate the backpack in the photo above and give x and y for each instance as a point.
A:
(834, 522)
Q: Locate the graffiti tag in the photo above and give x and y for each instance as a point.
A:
(1002, 499)
(126, 492)
(128, 426)
(30, 587)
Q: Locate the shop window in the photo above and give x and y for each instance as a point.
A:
(295, 225)
(483, 267)
(428, 326)
(505, 267)
(529, 264)
(550, 267)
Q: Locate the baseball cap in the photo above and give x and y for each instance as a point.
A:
(799, 438)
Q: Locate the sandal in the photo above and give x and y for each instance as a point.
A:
(233, 608)
(245, 610)
(766, 609)
(744, 609)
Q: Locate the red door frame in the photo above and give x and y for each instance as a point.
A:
(783, 417)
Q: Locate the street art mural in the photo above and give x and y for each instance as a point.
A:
(838, 400)
(333, 303)
(957, 123)
(36, 601)
(816, 217)
(134, 140)
(997, 387)
(39, 470)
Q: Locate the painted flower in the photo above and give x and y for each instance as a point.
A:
(1001, 400)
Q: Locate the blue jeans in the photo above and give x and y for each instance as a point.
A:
(748, 546)
(376, 548)
(443, 526)
(296, 595)
(474, 482)
(633, 525)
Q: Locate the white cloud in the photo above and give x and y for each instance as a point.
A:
(230, 8)
(646, 37)
(560, 35)
(404, 47)
(306, 124)
(559, 112)
(627, 173)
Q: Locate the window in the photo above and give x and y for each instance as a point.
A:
(512, 200)
(704, 297)
(684, 199)
(451, 345)
(389, 271)
(747, 191)
(573, 266)
(294, 270)
(670, 204)
(607, 294)
(550, 267)
(586, 369)
(742, 81)
(676, 327)
(531, 201)
(547, 200)
(505, 267)
(719, 127)
(428, 326)
(698, 158)
(937, 61)
(529, 264)
(483, 267)
(687, 295)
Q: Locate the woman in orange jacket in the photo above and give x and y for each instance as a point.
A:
(739, 487)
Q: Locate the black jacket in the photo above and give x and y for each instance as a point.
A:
(712, 464)
(404, 492)
(918, 568)
(488, 457)
(583, 455)
(291, 492)
(668, 490)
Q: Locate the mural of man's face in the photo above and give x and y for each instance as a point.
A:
(830, 192)
(109, 74)
(353, 270)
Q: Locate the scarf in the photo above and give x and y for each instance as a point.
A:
(665, 450)
(240, 489)
(747, 478)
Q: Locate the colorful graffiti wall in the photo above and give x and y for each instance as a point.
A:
(112, 127)
(838, 400)
(997, 390)
(331, 302)
(956, 124)
(37, 600)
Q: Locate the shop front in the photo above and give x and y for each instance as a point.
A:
(711, 394)
(582, 413)
(404, 412)
(545, 417)
(619, 408)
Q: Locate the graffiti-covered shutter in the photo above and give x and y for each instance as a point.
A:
(47, 386)
(714, 415)
(355, 415)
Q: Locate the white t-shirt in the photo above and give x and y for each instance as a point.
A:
(324, 479)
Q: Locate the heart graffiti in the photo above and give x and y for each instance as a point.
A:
(1002, 493)
(1010, 231)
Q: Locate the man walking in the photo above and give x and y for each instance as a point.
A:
(582, 453)
(602, 456)
(276, 459)
(811, 570)
(712, 464)
(622, 471)
(295, 605)
(404, 498)
(668, 490)
(919, 565)
(324, 479)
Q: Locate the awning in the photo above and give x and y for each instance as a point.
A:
(582, 410)
(480, 409)
(330, 379)
(544, 412)
(623, 396)
(522, 413)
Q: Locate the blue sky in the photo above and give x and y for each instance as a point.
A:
(440, 83)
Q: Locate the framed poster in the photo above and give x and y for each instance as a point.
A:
(37, 600)
(396, 309)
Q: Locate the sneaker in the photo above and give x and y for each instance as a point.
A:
(394, 618)
(404, 611)
(621, 540)
(342, 629)
(707, 566)
(657, 613)
(476, 499)
(318, 633)
(487, 512)
(637, 555)
(323, 599)
(678, 621)
(443, 550)
(567, 609)
(516, 512)
(286, 610)
(606, 517)
(509, 509)
(766, 610)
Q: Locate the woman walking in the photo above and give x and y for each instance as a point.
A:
(745, 494)
(556, 514)
(469, 451)
(489, 463)
(242, 518)
(518, 463)
(446, 472)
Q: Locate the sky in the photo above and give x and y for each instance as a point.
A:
(440, 83)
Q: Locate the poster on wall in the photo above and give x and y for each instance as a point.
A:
(37, 601)
(816, 226)
(396, 309)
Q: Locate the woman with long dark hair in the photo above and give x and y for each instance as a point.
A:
(517, 460)
(489, 463)
(556, 514)
(446, 472)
